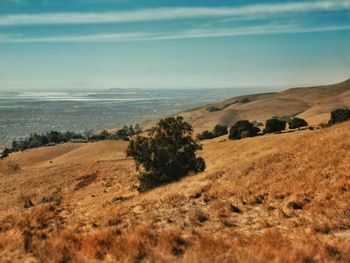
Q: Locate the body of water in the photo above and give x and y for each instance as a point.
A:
(22, 113)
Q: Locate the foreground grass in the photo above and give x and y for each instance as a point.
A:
(276, 198)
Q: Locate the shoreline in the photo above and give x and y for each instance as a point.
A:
(199, 114)
(22, 116)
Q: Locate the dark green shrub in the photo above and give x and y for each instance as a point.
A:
(5, 153)
(297, 123)
(243, 129)
(137, 128)
(213, 109)
(166, 155)
(323, 125)
(339, 115)
(104, 135)
(125, 132)
(205, 135)
(49, 138)
(274, 125)
(33, 144)
(54, 137)
(245, 100)
(122, 134)
(220, 130)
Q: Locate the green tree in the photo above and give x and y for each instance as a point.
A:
(131, 131)
(274, 125)
(205, 135)
(34, 143)
(137, 128)
(243, 129)
(123, 133)
(297, 123)
(339, 115)
(54, 137)
(220, 130)
(166, 155)
(104, 135)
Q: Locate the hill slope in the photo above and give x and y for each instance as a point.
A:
(273, 198)
(311, 103)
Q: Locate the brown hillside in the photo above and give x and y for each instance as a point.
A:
(273, 198)
(311, 103)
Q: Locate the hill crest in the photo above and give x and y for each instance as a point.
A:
(312, 103)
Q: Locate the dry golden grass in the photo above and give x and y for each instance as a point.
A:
(312, 103)
(273, 198)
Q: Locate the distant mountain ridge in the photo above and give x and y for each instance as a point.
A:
(312, 103)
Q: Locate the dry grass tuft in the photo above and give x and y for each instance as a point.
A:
(85, 180)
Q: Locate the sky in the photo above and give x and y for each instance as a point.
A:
(98, 44)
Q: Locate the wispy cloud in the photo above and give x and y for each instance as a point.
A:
(256, 30)
(116, 37)
(187, 34)
(159, 14)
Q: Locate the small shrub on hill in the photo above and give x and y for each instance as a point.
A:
(274, 125)
(243, 129)
(220, 130)
(339, 115)
(323, 125)
(5, 153)
(122, 134)
(14, 167)
(213, 109)
(166, 155)
(245, 100)
(205, 135)
(125, 132)
(297, 123)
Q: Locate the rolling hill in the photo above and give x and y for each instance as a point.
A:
(312, 103)
(274, 198)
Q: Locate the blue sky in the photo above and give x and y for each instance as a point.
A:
(55, 44)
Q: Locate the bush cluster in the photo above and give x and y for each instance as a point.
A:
(297, 123)
(243, 129)
(55, 137)
(218, 131)
(274, 125)
(213, 109)
(339, 115)
(121, 134)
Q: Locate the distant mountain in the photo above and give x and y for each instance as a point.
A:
(312, 103)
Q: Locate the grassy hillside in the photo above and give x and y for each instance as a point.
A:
(273, 198)
(311, 103)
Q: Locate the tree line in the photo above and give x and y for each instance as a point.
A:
(51, 138)
(245, 128)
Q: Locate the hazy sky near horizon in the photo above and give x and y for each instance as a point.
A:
(95, 44)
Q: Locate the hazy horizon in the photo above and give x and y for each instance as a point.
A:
(51, 45)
